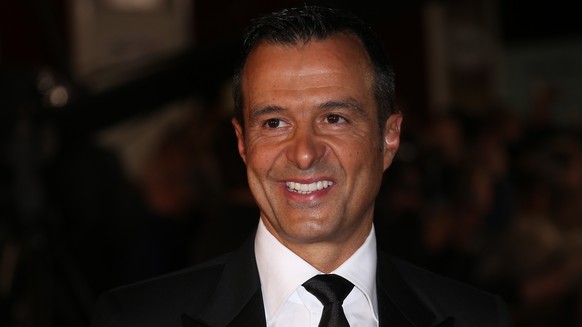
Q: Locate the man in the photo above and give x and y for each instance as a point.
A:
(316, 129)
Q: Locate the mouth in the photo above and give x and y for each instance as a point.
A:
(308, 188)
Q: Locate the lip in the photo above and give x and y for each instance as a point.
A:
(308, 180)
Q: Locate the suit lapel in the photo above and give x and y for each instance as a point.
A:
(190, 321)
(237, 300)
(253, 314)
(249, 315)
(449, 322)
(398, 304)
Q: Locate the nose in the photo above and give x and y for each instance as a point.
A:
(306, 148)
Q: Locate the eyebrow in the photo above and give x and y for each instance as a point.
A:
(350, 104)
(338, 104)
(255, 114)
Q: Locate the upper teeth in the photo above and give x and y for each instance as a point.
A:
(308, 188)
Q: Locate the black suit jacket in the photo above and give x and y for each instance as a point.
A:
(226, 292)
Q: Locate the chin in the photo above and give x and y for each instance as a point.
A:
(311, 232)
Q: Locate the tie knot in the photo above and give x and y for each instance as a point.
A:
(329, 288)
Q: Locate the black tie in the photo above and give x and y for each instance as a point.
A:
(330, 290)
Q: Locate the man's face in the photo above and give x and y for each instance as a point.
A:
(311, 143)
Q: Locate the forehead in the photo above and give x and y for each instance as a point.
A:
(342, 48)
(339, 61)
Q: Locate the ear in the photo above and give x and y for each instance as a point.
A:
(391, 138)
(240, 139)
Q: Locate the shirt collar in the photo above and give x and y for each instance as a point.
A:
(281, 271)
(360, 269)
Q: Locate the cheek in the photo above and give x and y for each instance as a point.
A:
(359, 155)
(260, 159)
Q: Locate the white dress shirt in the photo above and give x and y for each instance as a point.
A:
(287, 303)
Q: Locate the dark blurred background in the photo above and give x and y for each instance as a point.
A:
(118, 161)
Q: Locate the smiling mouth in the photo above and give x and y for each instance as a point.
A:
(308, 188)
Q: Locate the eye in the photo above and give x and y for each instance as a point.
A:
(274, 123)
(334, 119)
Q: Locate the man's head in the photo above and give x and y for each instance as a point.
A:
(310, 142)
(301, 25)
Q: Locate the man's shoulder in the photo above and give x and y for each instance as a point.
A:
(422, 279)
(153, 301)
(449, 297)
(197, 277)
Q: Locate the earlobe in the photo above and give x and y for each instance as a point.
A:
(240, 139)
(391, 138)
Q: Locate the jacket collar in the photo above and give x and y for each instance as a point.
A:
(237, 300)
(398, 304)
